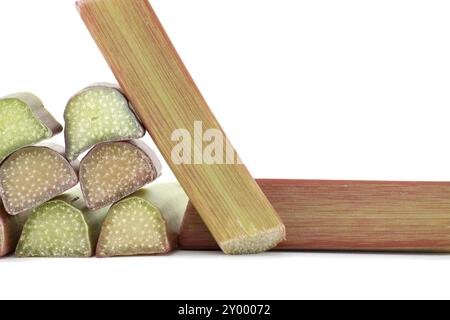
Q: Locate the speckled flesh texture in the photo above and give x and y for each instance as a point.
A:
(146, 223)
(10, 230)
(32, 176)
(133, 226)
(24, 121)
(61, 228)
(113, 170)
(349, 216)
(100, 113)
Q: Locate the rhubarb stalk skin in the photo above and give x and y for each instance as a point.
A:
(115, 135)
(349, 216)
(157, 210)
(50, 125)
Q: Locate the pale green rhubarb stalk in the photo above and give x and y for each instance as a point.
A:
(24, 121)
(61, 228)
(33, 175)
(10, 230)
(112, 171)
(146, 223)
(100, 113)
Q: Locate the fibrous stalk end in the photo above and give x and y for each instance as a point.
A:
(258, 243)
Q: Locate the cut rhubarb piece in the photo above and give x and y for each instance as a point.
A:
(61, 228)
(146, 223)
(134, 226)
(100, 113)
(10, 230)
(113, 170)
(23, 122)
(34, 175)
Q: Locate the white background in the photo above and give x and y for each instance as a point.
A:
(305, 89)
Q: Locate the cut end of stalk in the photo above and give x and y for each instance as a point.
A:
(32, 176)
(99, 114)
(114, 170)
(254, 244)
(133, 227)
(55, 229)
(19, 126)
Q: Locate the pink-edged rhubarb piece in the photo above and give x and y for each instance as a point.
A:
(113, 170)
(34, 175)
(99, 113)
(146, 223)
(24, 121)
(10, 230)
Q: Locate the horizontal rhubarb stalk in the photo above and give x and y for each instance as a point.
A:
(10, 230)
(146, 223)
(61, 228)
(112, 171)
(99, 113)
(34, 175)
(349, 215)
(24, 121)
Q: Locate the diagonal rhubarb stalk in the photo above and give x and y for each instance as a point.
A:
(10, 230)
(100, 113)
(111, 171)
(23, 122)
(166, 98)
(146, 223)
(61, 228)
(34, 175)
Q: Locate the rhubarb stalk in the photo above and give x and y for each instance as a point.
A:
(349, 215)
(169, 104)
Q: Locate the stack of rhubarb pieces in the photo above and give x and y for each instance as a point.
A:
(45, 214)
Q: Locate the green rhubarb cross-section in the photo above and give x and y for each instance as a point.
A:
(32, 176)
(133, 227)
(98, 114)
(61, 228)
(111, 171)
(146, 223)
(24, 121)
